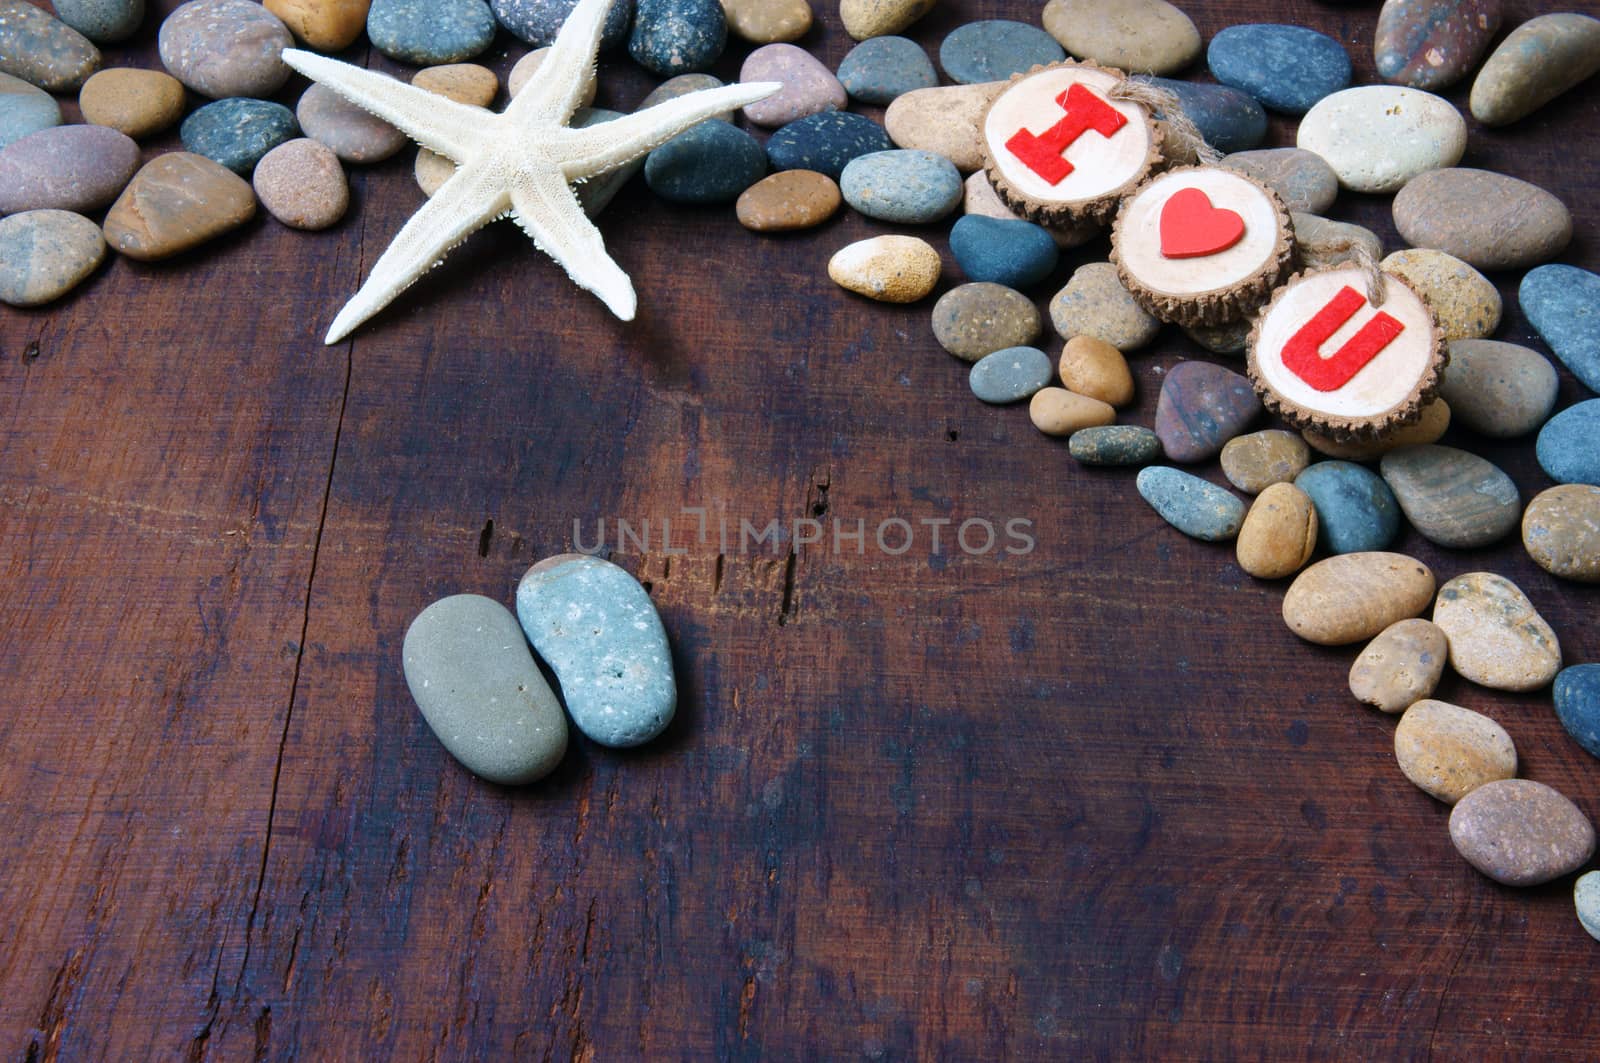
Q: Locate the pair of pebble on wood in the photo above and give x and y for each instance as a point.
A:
(467, 663)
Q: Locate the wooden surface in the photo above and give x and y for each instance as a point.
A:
(1091, 802)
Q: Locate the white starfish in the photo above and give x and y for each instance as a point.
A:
(520, 162)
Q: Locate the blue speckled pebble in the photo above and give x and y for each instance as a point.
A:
(538, 21)
(826, 142)
(1356, 511)
(596, 628)
(1563, 304)
(1199, 509)
(906, 187)
(672, 37)
(1230, 120)
(1018, 254)
(1287, 68)
(880, 69)
(709, 163)
(238, 132)
(1010, 374)
(1115, 444)
(1569, 445)
(102, 21)
(994, 49)
(1577, 696)
(430, 32)
(24, 109)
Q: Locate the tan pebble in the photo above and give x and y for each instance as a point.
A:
(466, 83)
(768, 21)
(788, 200)
(1428, 429)
(890, 269)
(980, 198)
(943, 120)
(1401, 666)
(1256, 461)
(1352, 597)
(1279, 533)
(1497, 638)
(1466, 304)
(1521, 832)
(880, 18)
(326, 25)
(431, 171)
(137, 103)
(302, 184)
(528, 64)
(972, 320)
(1448, 751)
(1094, 303)
(1059, 412)
(177, 201)
(1095, 368)
(1561, 531)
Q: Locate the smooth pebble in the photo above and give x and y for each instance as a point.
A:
(825, 142)
(1201, 407)
(44, 254)
(1138, 36)
(1016, 253)
(1497, 637)
(40, 49)
(1303, 179)
(1115, 444)
(1059, 412)
(880, 18)
(1378, 137)
(972, 320)
(1279, 533)
(1095, 368)
(712, 162)
(1447, 751)
(768, 21)
(786, 201)
(354, 134)
(1358, 511)
(1562, 303)
(1577, 699)
(890, 269)
(1568, 447)
(1094, 303)
(1486, 219)
(1561, 531)
(102, 21)
(902, 186)
(25, 109)
(1500, 390)
(430, 32)
(138, 103)
(1010, 374)
(1256, 461)
(176, 202)
(1199, 509)
(538, 21)
(1538, 61)
(808, 86)
(323, 25)
(302, 184)
(226, 48)
(1287, 68)
(1352, 597)
(1520, 832)
(1401, 666)
(1453, 497)
(943, 120)
(881, 70)
(1228, 119)
(1466, 302)
(72, 167)
(672, 37)
(238, 132)
(995, 49)
(1432, 44)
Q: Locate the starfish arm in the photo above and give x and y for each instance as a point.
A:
(464, 204)
(452, 129)
(598, 148)
(556, 88)
(546, 209)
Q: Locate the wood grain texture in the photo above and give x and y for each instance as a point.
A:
(1092, 802)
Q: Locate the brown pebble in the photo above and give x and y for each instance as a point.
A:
(135, 102)
(1520, 832)
(1279, 533)
(972, 320)
(1401, 666)
(431, 171)
(1352, 597)
(1486, 219)
(1497, 638)
(302, 184)
(788, 200)
(326, 25)
(1095, 368)
(1561, 531)
(176, 202)
(466, 83)
(1256, 461)
(1448, 751)
(354, 133)
(943, 120)
(768, 21)
(890, 269)
(1428, 429)
(1059, 412)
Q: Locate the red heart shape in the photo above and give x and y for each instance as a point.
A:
(1192, 228)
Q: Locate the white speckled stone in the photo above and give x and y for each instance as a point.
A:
(596, 628)
(1378, 137)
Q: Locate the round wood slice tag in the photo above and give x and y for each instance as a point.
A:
(1201, 245)
(1060, 148)
(1325, 358)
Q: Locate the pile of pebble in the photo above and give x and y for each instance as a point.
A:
(921, 166)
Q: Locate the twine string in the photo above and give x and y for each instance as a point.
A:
(1165, 102)
(1362, 258)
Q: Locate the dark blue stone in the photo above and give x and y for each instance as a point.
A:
(538, 21)
(994, 49)
(711, 163)
(881, 69)
(1230, 120)
(1194, 506)
(430, 32)
(672, 37)
(1356, 510)
(1569, 445)
(826, 142)
(1018, 254)
(237, 132)
(1563, 304)
(1577, 696)
(1287, 68)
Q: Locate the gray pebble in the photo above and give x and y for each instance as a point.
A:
(1011, 374)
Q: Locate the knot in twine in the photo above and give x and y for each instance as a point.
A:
(1162, 101)
(1360, 256)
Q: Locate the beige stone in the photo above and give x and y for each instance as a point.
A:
(176, 202)
(768, 21)
(326, 25)
(880, 18)
(943, 120)
(1352, 597)
(1467, 305)
(138, 103)
(1401, 666)
(1448, 751)
(466, 83)
(1279, 533)
(1059, 412)
(890, 269)
(1095, 368)
(1497, 638)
